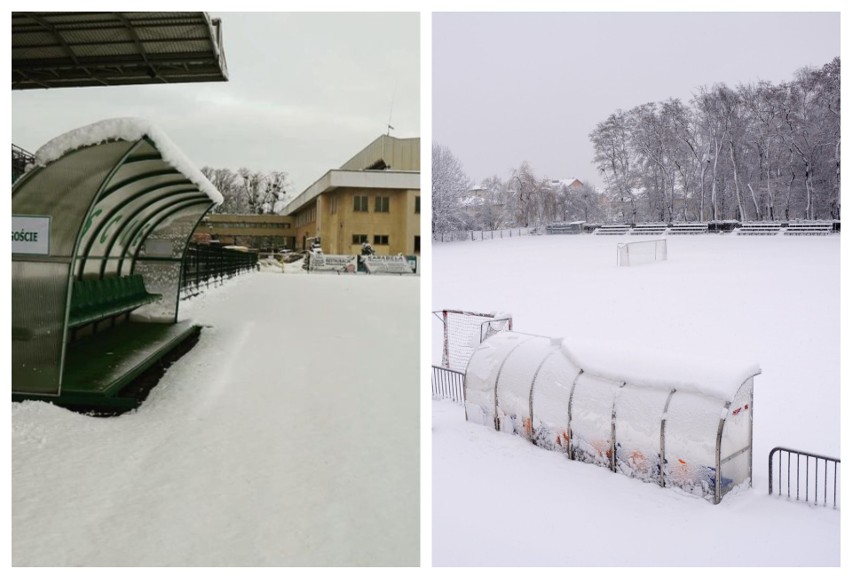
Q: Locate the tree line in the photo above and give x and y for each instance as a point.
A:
(248, 192)
(522, 200)
(759, 151)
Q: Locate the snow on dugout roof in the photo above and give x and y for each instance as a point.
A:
(126, 129)
(643, 367)
(649, 368)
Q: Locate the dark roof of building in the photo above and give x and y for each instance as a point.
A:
(78, 49)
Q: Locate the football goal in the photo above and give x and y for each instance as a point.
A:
(464, 331)
(640, 252)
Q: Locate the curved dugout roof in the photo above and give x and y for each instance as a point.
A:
(663, 419)
(108, 187)
(114, 198)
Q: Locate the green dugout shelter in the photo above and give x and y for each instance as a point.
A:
(100, 227)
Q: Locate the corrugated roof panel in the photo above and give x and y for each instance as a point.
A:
(84, 49)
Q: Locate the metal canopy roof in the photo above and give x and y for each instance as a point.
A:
(77, 49)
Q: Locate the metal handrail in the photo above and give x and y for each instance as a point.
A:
(816, 464)
(447, 384)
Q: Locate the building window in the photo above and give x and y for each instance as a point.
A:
(382, 204)
(361, 203)
(417, 243)
(417, 204)
(380, 240)
(333, 205)
(359, 238)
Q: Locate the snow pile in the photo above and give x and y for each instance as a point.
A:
(269, 264)
(126, 129)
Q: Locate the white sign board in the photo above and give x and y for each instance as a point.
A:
(31, 234)
(338, 263)
(387, 264)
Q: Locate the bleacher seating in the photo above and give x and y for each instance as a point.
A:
(809, 228)
(687, 228)
(648, 229)
(759, 228)
(616, 229)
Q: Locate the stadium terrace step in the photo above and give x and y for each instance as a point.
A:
(688, 228)
(759, 228)
(620, 229)
(648, 229)
(809, 228)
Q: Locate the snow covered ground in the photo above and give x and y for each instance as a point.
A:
(498, 500)
(288, 436)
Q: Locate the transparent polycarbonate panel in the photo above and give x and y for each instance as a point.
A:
(140, 222)
(64, 190)
(481, 375)
(736, 440)
(136, 174)
(638, 412)
(735, 472)
(161, 277)
(551, 391)
(591, 419)
(692, 423)
(170, 236)
(113, 216)
(39, 298)
(515, 382)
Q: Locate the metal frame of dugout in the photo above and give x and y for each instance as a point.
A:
(97, 303)
(684, 434)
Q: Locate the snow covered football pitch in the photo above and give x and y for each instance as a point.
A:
(498, 500)
(288, 436)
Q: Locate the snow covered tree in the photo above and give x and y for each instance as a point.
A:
(758, 146)
(449, 184)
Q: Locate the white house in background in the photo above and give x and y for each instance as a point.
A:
(483, 207)
(571, 183)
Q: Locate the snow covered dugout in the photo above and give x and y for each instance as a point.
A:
(113, 199)
(672, 421)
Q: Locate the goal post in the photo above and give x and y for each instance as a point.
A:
(463, 331)
(641, 252)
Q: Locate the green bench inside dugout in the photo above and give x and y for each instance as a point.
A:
(97, 299)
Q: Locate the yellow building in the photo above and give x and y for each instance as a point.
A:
(373, 197)
(268, 231)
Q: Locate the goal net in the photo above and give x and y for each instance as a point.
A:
(639, 252)
(464, 331)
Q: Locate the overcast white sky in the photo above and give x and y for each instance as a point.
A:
(306, 92)
(511, 87)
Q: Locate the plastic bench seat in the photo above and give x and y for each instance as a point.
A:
(97, 299)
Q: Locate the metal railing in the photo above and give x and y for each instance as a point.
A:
(206, 264)
(447, 384)
(20, 159)
(812, 480)
(482, 235)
